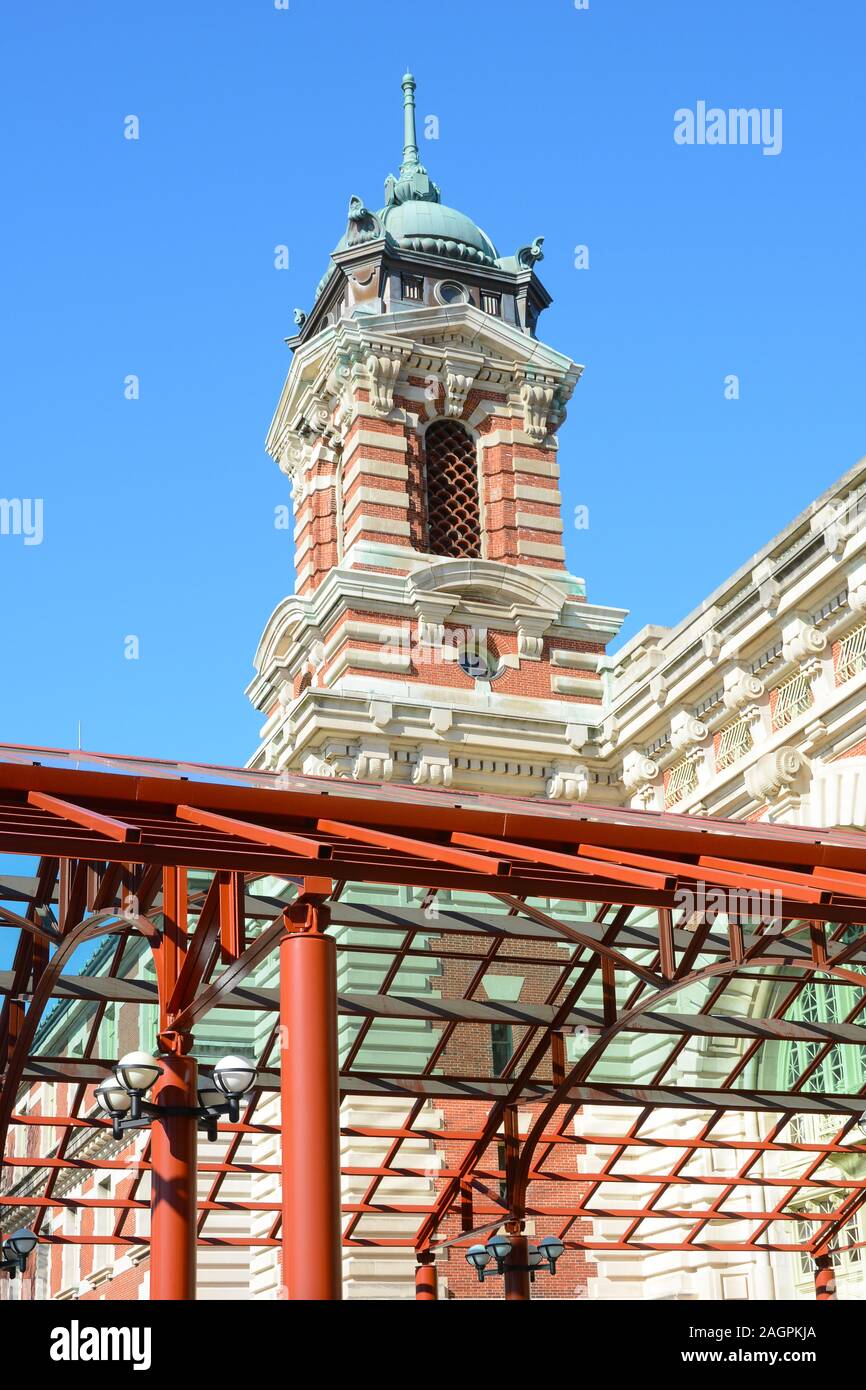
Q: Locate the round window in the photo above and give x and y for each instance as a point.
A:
(477, 660)
(451, 292)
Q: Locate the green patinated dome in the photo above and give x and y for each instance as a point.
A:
(414, 217)
(440, 230)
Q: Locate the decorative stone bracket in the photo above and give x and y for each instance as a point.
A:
(460, 373)
(434, 769)
(836, 522)
(373, 763)
(768, 587)
(802, 641)
(537, 391)
(568, 782)
(775, 774)
(638, 770)
(383, 361)
(687, 731)
(742, 690)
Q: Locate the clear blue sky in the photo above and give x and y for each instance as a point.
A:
(155, 257)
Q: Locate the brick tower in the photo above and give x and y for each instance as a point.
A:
(435, 636)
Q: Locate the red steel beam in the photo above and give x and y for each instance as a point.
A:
(422, 849)
(90, 820)
(509, 849)
(681, 869)
(299, 845)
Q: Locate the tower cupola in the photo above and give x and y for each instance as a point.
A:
(435, 635)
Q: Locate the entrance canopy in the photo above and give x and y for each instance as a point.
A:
(665, 962)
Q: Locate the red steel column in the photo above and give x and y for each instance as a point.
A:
(517, 1280)
(310, 1103)
(174, 1173)
(426, 1280)
(825, 1278)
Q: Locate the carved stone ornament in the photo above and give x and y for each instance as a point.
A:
(373, 763)
(529, 256)
(433, 770)
(712, 644)
(383, 369)
(568, 782)
(857, 589)
(537, 398)
(686, 731)
(295, 454)
(363, 224)
(784, 770)
(768, 587)
(803, 643)
(742, 689)
(637, 770)
(457, 385)
(314, 766)
(836, 522)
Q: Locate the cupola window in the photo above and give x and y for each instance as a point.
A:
(413, 288)
(491, 303)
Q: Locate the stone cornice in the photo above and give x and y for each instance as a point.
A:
(424, 339)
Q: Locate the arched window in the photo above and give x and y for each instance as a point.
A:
(841, 1069)
(453, 511)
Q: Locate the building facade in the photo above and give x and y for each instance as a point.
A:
(436, 638)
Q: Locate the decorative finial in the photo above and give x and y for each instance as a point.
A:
(412, 183)
(410, 138)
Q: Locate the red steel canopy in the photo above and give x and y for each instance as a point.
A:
(113, 840)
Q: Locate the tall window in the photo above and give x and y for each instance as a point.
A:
(501, 1046)
(453, 511)
(841, 1070)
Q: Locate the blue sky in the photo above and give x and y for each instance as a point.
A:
(155, 257)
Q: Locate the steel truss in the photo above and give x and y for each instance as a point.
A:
(114, 840)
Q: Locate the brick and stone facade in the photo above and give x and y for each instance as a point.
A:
(488, 669)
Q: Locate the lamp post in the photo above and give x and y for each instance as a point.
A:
(516, 1259)
(179, 1108)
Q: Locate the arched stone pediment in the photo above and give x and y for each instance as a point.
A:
(495, 583)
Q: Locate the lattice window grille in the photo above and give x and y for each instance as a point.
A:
(734, 743)
(682, 780)
(792, 698)
(852, 654)
(453, 510)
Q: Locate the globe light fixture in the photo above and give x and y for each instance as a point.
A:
(479, 1258)
(122, 1097)
(234, 1075)
(113, 1098)
(16, 1250)
(551, 1249)
(498, 1250)
(138, 1071)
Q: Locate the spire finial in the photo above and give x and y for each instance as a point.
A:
(410, 139)
(413, 183)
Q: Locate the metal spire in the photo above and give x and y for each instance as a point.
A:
(411, 161)
(413, 183)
